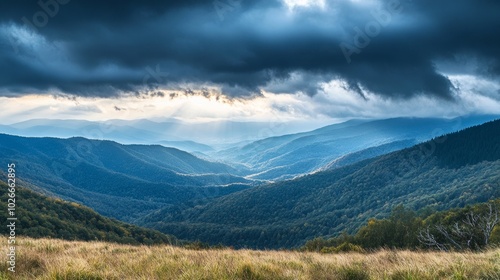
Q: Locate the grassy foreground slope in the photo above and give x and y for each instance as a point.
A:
(55, 259)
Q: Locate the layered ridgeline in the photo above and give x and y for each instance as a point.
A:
(40, 216)
(449, 171)
(186, 136)
(121, 181)
(287, 156)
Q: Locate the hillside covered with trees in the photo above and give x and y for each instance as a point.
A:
(119, 181)
(451, 171)
(474, 227)
(44, 217)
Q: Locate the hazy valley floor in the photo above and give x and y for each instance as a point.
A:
(56, 259)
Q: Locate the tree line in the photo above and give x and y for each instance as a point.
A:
(473, 227)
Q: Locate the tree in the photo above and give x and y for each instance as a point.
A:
(489, 222)
(472, 233)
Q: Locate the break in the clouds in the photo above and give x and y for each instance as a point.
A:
(394, 49)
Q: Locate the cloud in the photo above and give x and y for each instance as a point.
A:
(392, 49)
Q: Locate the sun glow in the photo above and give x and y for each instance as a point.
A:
(334, 102)
(188, 108)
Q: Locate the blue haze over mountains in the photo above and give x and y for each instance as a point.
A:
(268, 184)
(225, 194)
(191, 137)
(336, 145)
(451, 171)
(130, 181)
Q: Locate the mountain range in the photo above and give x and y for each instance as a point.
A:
(448, 171)
(120, 181)
(287, 156)
(190, 137)
(270, 193)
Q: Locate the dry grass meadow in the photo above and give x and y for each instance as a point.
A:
(57, 259)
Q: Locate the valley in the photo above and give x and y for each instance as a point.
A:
(347, 173)
(250, 140)
(439, 174)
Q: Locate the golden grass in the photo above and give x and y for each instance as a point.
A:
(57, 259)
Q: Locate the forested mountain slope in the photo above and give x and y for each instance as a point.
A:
(121, 181)
(287, 156)
(449, 171)
(40, 216)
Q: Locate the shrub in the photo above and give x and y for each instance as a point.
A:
(342, 248)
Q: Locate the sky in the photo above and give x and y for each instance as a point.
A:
(287, 60)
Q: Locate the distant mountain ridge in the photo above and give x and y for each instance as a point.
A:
(449, 171)
(190, 137)
(129, 182)
(274, 158)
(287, 156)
(121, 181)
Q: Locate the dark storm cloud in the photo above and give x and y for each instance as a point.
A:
(95, 48)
